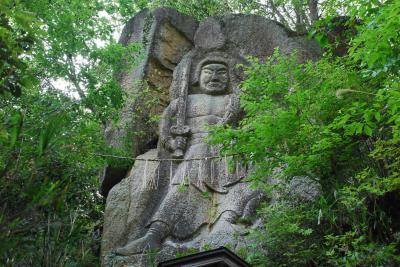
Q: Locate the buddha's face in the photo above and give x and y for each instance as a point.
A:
(214, 78)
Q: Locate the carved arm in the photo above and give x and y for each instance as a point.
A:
(167, 119)
(234, 112)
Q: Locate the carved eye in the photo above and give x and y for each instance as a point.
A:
(222, 72)
(206, 71)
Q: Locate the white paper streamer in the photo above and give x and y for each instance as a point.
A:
(226, 167)
(184, 173)
(170, 173)
(225, 177)
(152, 182)
(188, 170)
(144, 184)
(158, 175)
(237, 169)
(200, 174)
(212, 171)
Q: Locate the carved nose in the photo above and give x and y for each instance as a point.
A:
(214, 77)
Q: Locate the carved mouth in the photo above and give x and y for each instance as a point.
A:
(214, 84)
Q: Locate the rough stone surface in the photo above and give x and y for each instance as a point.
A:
(299, 189)
(166, 36)
(174, 205)
(130, 201)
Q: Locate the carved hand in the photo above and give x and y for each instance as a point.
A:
(180, 142)
(176, 143)
(231, 113)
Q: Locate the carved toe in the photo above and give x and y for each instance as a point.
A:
(138, 246)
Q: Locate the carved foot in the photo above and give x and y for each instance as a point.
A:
(152, 240)
(148, 242)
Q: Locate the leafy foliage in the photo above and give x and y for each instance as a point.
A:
(49, 142)
(19, 30)
(49, 172)
(298, 15)
(335, 121)
(376, 47)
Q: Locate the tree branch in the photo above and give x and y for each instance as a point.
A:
(313, 8)
(73, 77)
(279, 14)
(288, 15)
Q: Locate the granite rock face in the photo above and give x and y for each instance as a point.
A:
(182, 194)
(165, 36)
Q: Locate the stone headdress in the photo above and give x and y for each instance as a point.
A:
(210, 47)
(187, 73)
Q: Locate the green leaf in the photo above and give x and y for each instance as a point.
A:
(48, 132)
(378, 116)
(367, 130)
(16, 122)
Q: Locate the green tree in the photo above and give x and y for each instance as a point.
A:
(335, 121)
(19, 30)
(48, 141)
(49, 177)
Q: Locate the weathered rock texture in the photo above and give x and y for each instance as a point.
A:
(175, 205)
(166, 36)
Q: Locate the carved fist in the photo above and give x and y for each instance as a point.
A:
(180, 142)
(176, 143)
(177, 146)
